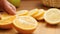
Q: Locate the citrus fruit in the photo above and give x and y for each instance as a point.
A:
(15, 2)
(40, 12)
(33, 12)
(25, 24)
(52, 16)
(4, 15)
(40, 17)
(0, 17)
(7, 23)
(22, 12)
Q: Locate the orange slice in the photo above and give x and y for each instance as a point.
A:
(52, 16)
(33, 12)
(4, 15)
(40, 17)
(25, 24)
(7, 23)
(40, 12)
(22, 12)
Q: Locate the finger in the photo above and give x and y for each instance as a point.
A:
(8, 8)
(12, 6)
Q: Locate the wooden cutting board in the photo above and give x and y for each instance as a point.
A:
(43, 27)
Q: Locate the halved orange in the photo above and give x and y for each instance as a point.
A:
(22, 12)
(52, 16)
(25, 24)
(7, 23)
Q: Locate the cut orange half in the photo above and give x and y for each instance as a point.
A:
(52, 16)
(25, 24)
(7, 23)
(33, 12)
(22, 12)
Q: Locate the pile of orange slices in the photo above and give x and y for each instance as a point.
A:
(26, 21)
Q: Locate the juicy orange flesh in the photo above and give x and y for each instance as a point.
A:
(25, 23)
(53, 16)
(4, 15)
(40, 17)
(8, 20)
(33, 12)
(22, 12)
(40, 12)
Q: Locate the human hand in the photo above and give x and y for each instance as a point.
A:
(7, 7)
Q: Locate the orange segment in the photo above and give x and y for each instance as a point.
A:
(25, 24)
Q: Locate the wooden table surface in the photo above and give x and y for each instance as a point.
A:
(42, 28)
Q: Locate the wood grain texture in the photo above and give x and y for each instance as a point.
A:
(42, 28)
